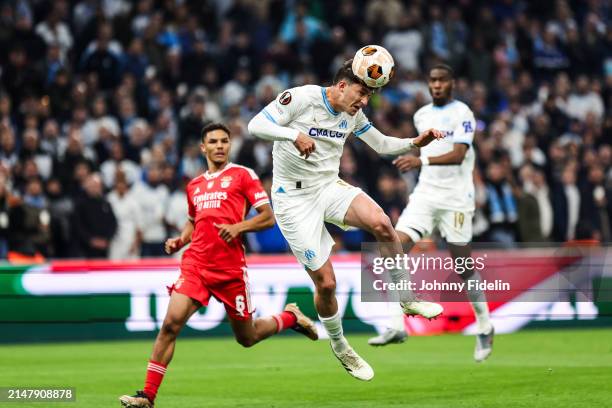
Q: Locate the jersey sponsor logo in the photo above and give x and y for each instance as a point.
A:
(226, 181)
(467, 127)
(316, 132)
(343, 124)
(449, 133)
(285, 98)
(260, 195)
(212, 199)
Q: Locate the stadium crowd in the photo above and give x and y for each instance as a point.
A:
(102, 103)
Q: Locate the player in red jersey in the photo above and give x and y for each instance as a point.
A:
(214, 264)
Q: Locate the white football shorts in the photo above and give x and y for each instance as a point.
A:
(421, 216)
(300, 213)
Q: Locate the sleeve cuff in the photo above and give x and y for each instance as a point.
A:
(261, 202)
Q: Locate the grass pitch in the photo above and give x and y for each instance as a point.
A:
(545, 368)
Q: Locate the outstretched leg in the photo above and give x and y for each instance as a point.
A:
(251, 331)
(364, 213)
(180, 309)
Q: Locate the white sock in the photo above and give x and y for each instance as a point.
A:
(401, 276)
(333, 327)
(480, 306)
(397, 316)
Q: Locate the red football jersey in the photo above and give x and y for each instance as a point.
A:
(224, 197)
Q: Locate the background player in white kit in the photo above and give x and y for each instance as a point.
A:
(444, 195)
(309, 125)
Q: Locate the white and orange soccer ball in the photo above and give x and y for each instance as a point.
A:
(374, 65)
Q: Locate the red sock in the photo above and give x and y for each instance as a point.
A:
(284, 321)
(155, 375)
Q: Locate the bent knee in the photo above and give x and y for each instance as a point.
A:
(171, 328)
(326, 287)
(246, 341)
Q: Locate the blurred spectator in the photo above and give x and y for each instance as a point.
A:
(94, 222)
(595, 202)
(8, 150)
(502, 208)
(19, 77)
(566, 205)
(386, 13)
(29, 219)
(176, 212)
(118, 163)
(389, 197)
(583, 101)
(4, 217)
(190, 127)
(61, 209)
(405, 42)
(152, 197)
(54, 31)
(311, 25)
(100, 58)
(125, 244)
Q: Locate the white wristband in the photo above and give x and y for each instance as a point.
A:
(424, 161)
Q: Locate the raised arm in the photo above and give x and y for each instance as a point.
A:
(383, 144)
(455, 156)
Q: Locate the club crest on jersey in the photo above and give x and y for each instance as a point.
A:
(467, 127)
(343, 124)
(225, 181)
(285, 98)
(210, 184)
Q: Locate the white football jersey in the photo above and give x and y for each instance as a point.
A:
(307, 109)
(448, 186)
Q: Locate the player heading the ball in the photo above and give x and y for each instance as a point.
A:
(309, 126)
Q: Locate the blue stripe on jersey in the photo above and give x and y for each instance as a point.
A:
(327, 104)
(362, 130)
(267, 115)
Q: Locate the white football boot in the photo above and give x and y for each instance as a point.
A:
(484, 345)
(140, 400)
(390, 336)
(428, 310)
(354, 365)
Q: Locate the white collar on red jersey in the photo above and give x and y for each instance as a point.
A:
(210, 176)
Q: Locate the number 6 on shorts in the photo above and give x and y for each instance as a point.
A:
(240, 305)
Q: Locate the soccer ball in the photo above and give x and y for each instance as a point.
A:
(374, 65)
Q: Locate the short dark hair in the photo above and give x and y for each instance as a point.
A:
(444, 67)
(346, 72)
(212, 127)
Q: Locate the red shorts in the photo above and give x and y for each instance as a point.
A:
(231, 287)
